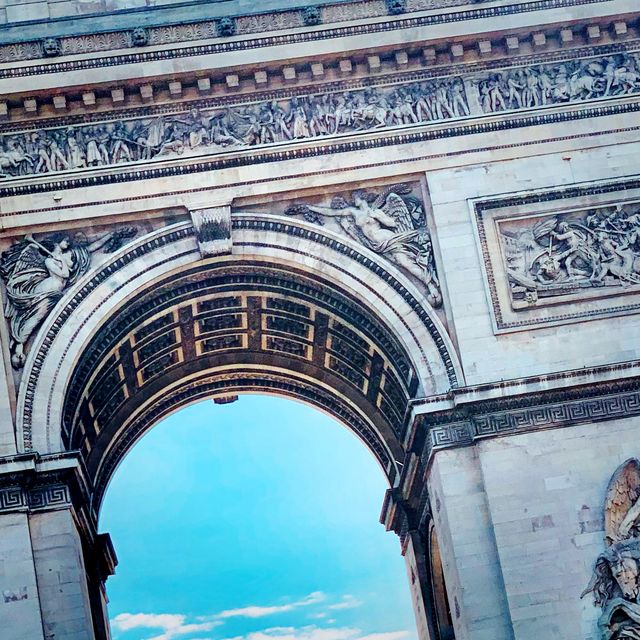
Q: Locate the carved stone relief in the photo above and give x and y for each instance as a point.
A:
(567, 81)
(615, 583)
(566, 254)
(561, 256)
(197, 131)
(213, 230)
(390, 222)
(202, 131)
(37, 272)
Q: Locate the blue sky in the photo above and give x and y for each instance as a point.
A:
(256, 520)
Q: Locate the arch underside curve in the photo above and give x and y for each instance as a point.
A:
(209, 385)
(157, 327)
(262, 327)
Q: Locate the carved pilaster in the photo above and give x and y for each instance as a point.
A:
(48, 497)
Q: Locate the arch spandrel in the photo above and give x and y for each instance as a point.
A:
(398, 321)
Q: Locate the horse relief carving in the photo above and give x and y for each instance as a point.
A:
(560, 83)
(571, 253)
(36, 273)
(615, 583)
(391, 223)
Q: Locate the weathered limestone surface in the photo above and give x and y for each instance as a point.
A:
(60, 572)
(463, 521)
(422, 217)
(20, 604)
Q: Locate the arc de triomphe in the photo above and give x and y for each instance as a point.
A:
(420, 216)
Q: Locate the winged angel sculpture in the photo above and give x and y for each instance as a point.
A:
(36, 275)
(391, 223)
(615, 582)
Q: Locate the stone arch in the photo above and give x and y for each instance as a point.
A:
(292, 310)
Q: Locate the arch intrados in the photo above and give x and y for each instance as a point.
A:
(374, 425)
(122, 445)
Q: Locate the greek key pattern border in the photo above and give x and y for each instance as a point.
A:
(37, 498)
(464, 432)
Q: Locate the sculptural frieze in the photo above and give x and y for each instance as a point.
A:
(615, 583)
(200, 131)
(37, 272)
(390, 222)
(567, 81)
(564, 254)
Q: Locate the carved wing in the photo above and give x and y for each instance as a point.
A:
(622, 494)
(19, 258)
(396, 207)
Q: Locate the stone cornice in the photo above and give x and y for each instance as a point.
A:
(465, 425)
(204, 20)
(73, 39)
(31, 482)
(146, 97)
(593, 30)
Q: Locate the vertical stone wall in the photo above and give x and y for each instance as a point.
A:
(61, 575)
(19, 598)
(520, 521)
(537, 348)
(470, 560)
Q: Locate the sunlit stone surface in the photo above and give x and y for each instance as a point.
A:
(420, 216)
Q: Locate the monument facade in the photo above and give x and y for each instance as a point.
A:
(421, 216)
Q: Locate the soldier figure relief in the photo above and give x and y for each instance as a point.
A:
(615, 583)
(565, 253)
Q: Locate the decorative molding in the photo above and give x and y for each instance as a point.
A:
(315, 116)
(297, 151)
(511, 416)
(258, 24)
(30, 380)
(213, 230)
(209, 311)
(39, 497)
(249, 87)
(561, 255)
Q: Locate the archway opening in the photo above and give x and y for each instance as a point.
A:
(253, 517)
(441, 606)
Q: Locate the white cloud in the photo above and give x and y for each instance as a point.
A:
(255, 611)
(126, 621)
(171, 624)
(390, 635)
(347, 602)
(318, 633)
